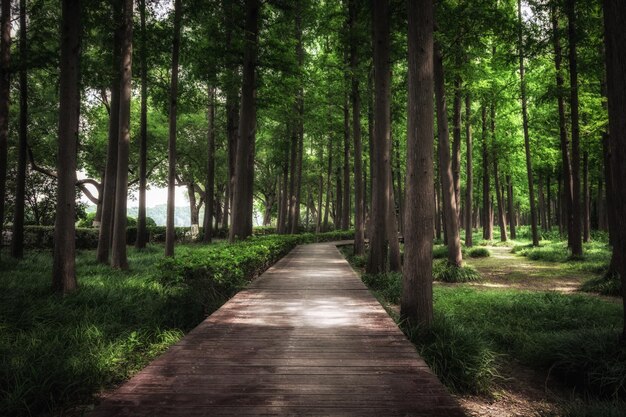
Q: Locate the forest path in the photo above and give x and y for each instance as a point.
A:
(305, 338)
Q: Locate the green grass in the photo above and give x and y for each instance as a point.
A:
(443, 271)
(478, 252)
(607, 284)
(57, 352)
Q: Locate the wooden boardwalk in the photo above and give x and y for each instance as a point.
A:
(305, 339)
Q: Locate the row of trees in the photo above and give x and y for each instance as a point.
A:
(261, 108)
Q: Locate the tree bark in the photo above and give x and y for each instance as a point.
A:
(509, 188)
(118, 253)
(5, 90)
(395, 260)
(299, 116)
(142, 233)
(417, 293)
(469, 186)
(529, 165)
(209, 187)
(486, 217)
(241, 224)
(328, 184)
(63, 269)
(451, 217)
(170, 230)
(377, 262)
(110, 176)
(615, 39)
(577, 248)
(496, 177)
(586, 201)
(345, 215)
(17, 240)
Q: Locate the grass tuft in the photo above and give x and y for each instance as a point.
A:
(478, 252)
(443, 271)
(607, 284)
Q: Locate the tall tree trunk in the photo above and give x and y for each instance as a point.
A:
(5, 90)
(615, 39)
(110, 176)
(486, 217)
(118, 247)
(63, 269)
(293, 155)
(170, 230)
(509, 188)
(209, 187)
(328, 183)
(566, 162)
(395, 260)
(417, 293)
(456, 144)
(338, 200)
(194, 212)
(549, 205)
(542, 206)
(320, 191)
(496, 177)
(577, 245)
(438, 226)
(469, 186)
(142, 233)
(377, 261)
(17, 241)
(359, 201)
(529, 165)
(284, 204)
(586, 202)
(241, 224)
(300, 115)
(451, 218)
(345, 215)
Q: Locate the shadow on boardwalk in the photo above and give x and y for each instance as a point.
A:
(306, 338)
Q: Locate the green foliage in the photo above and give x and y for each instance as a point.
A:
(462, 359)
(607, 284)
(596, 255)
(387, 286)
(443, 271)
(478, 252)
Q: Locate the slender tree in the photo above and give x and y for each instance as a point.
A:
(17, 242)
(576, 240)
(377, 261)
(359, 201)
(529, 165)
(417, 293)
(615, 56)
(486, 211)
(210, 169)
(241, 224)
(496, 177)
(469, 186)
(63, 269)
(451, 218)
(142, 233)
(170, 231)
(118, 253)
(5, 74)
(456, 144)
(509, 188)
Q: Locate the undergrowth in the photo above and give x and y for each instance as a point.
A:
(444, 271)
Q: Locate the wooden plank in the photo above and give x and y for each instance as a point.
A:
(306, 338)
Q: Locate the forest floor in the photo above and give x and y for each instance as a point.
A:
(523, 391)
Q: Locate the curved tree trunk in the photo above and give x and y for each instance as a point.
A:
(170, 231)
(118, 252)
(63, 269)
(417, 293)
(451, 217)
(17, 241)
(241, 224)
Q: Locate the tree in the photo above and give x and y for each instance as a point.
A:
(486, 219)
(118, 246)
(5, 74)
(241, 224)
(450, 212)
(142, 233)
(170, 233)
(615, 56)
(496, 177)
(469, 186)
(576, 239)
(63, 269)
(17, 241)
(417, 299)
(529, 165)
(377, 261)
(210, 170)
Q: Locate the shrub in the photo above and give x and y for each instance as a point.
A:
(443, 271)
(478, 252)
(387, 285)
(459, 357)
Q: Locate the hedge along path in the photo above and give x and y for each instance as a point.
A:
(306, 338)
